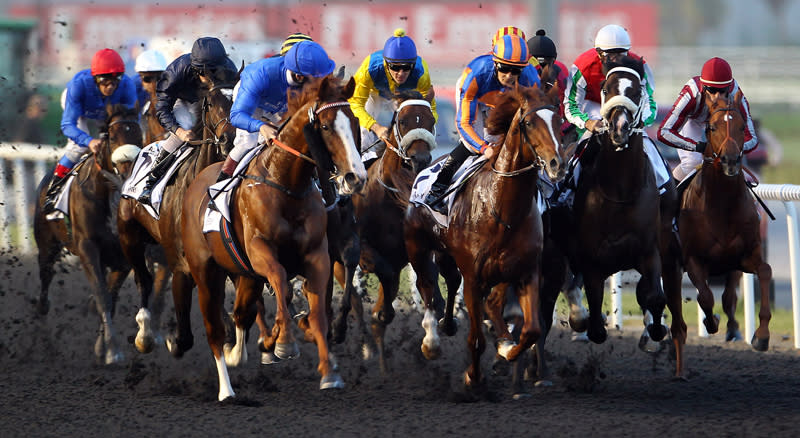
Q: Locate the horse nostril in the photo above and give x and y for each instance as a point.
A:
(351, 179)
(554, 163)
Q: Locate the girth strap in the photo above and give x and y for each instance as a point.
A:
(239, 257)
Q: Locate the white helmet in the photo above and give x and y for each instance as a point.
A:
(150, 60)
(612, 36)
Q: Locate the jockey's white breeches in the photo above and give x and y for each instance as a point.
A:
(245, 141)
(694, 130)
(186, 114)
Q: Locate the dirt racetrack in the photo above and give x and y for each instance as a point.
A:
(50, 385)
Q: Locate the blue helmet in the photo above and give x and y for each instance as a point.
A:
(308, 58)
(399, 48)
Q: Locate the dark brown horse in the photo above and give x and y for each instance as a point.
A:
(279, 222)
(88, 231)
(620, 221)
(719, 223)
(137, 228)
(379, 212)
(153, 131)
(495, 230)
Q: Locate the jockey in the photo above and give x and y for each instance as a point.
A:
(149, 66)
(484, 78)
(684, 127)
(543, 53)
(86, 97)
(381, 75)
(584, 84)
(259, 99)
(178, 104)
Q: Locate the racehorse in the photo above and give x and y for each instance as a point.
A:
(379, 212)
(620, 221)
(87, 231)
(495, 230)
(137, 227)
(719, 224)
(153, 131)
(278, 222)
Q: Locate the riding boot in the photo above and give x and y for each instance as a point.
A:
(163, 162)
(227, 169)
(434, 197)
(52, 192)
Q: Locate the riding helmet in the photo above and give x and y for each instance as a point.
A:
(716, 73)
(107, 61)
(400, 48)
(292, 40)
(308, 58)
(541, 46)
(208, 52)
(612, 36)
(507, 30)
(150, 60)
(511, 49)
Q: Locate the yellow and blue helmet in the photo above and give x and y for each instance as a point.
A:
(400, 48)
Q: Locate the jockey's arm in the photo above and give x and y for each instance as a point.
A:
(164, 105)
(466, 112)
(574, 96)
(69, 119)
(669, 131)
(649, 84)
(750, 136)
(244, 105)
(364, 86)
(425, 87)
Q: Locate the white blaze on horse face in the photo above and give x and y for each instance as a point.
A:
(547, 116)
(624, 84)
(342, 127)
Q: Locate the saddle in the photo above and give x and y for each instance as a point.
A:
(426, 178)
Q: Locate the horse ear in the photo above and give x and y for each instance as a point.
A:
(241, 68)
(554, 94)
(340, 73)
(350, 88)
(109, 109)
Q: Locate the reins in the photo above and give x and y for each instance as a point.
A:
(538, 162)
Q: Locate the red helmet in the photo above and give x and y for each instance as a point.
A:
(107, 61)
(716, 73)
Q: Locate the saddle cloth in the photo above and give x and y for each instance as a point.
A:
(425, 179)
(221, 194)
(134, 185)
(61, 207)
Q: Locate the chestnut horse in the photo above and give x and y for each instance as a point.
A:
(137, 228)
(88, 231)
(380, 208)
(719, 223)
(153, 131)
(620, 221)
(279, 222)
(495, 230)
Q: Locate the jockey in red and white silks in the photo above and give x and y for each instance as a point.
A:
(684, 127)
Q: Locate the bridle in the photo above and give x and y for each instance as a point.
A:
(715, 157)
(538, 161)
(636, 108)
(402, 148)
(214, 128)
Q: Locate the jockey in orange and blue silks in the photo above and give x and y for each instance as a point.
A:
(381, 75)
(583, 94)
(477, 89)
(684, 127)
(261, 95)
(85, 98)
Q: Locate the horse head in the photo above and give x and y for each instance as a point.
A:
(725, 133)
(413, 127)
(216, 124)
(529, 117)
(330, 129)
(622, 99)
(120, 128)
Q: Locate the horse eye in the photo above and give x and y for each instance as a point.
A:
(324, 127)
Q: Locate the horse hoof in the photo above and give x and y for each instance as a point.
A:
(579, 336)
(712, 325)
(733, 335)
(521, 396)
(449, 329)
(597, 336)
(112, 358)
(760, 344)
(331, 381)
(287, 351)
(173, 347)
(648, 345)
(431, 353)
(144, 344)
(269, 358)
(657, 331)
(504, 348)
(543, 383)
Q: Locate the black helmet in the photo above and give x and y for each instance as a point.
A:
(541, 46)
(208, 52)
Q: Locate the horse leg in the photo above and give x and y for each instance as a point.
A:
(383, 313)
(705, 297)
(210, 281)
(133, 247)
(651, 299)
(578, 314)
(452, 277)
(183, 340)
(422, 263)
(49, 251)
(161, 279)
(476, 341)
(248, 292)
(755, 263)
(593, 283)
(339, 325)
(105, 345)
(672, 276)
(548, 295)
(729, 305)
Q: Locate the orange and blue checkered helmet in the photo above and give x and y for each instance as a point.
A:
(507, 30)
(511, 49)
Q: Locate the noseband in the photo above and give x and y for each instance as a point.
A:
(538, 162)
(715, 156)
(213, 129)
(398, 137)
(636, 108)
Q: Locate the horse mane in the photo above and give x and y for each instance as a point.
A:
(499, 120)
(626, 61)
(310, 92)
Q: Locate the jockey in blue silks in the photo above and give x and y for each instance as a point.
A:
(261, 95)
(476, 92)
(85, 98)
(178, 102)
